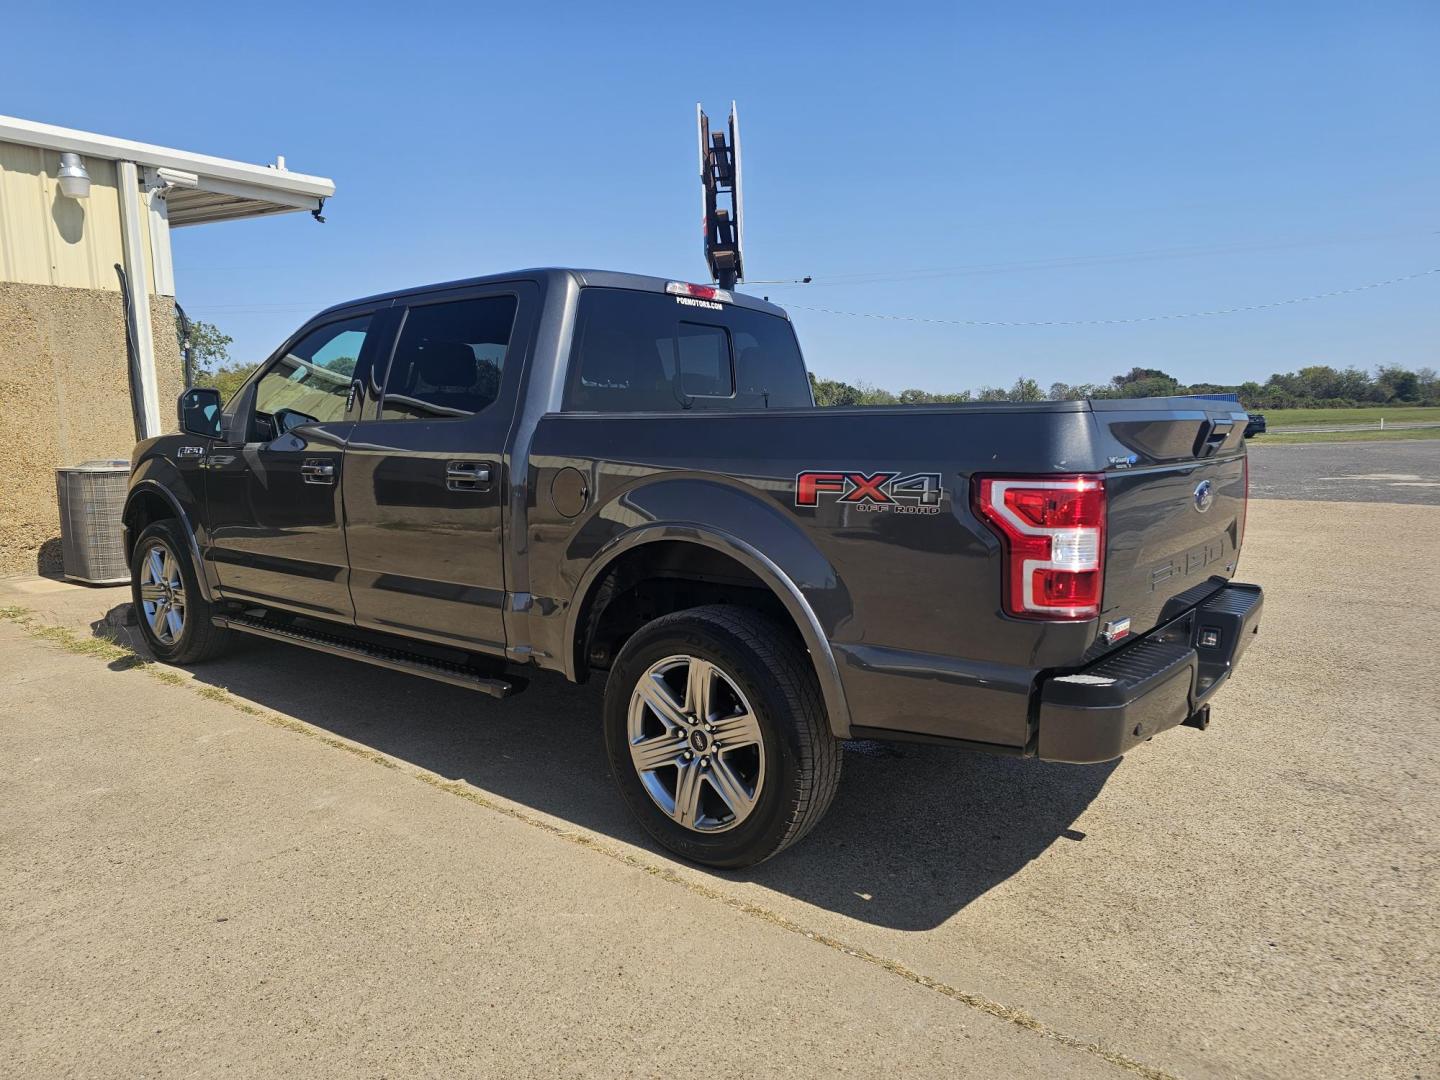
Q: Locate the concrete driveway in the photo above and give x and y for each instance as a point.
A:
(285, 862)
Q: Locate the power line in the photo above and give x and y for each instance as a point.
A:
(1120, 322)
(1062, 262)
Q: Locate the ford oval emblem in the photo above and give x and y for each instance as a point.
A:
(1204, 496)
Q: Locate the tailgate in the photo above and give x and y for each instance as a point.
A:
(1175, 504)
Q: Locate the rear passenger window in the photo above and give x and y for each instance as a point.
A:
(449, 359)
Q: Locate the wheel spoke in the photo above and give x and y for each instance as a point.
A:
(699, 683)
(737, 731)
(658, 696)
(151, 591)
(157, 619)
(687, 794)
(729, 787)
(174, 619)
(653, 753)
(156, 563)
(171, 576)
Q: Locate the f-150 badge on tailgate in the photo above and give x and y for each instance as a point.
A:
(916, 493)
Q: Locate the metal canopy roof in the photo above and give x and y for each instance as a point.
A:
(198, 188)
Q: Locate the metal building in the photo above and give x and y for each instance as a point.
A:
(89, 357)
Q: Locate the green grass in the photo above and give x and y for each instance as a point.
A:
(1366, 414)
(1367, 435)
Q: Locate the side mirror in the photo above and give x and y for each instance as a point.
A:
(199, 411)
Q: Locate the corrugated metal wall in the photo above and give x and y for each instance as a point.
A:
(48, 239)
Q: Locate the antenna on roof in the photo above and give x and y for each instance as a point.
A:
(720, 179)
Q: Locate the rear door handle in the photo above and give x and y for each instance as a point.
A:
(466, 475)
(317, 471)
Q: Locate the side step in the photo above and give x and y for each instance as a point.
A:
(380, 655)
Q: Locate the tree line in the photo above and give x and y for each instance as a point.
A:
(1314, 387)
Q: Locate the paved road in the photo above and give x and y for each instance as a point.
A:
(1257, 900)
(1402, 472)
(188, 891)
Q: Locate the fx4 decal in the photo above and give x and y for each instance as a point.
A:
(916, 493)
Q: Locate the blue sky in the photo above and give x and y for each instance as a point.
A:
(959, 161)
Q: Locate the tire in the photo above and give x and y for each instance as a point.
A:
(171, 591)
(764, 768)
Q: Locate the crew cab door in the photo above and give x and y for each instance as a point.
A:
(425, 472)
(273, 481)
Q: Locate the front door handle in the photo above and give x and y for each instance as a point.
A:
(466, 475)
(317, 471)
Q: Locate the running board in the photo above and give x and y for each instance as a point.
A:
(379, 655)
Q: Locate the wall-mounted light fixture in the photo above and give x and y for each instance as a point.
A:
(74, 180)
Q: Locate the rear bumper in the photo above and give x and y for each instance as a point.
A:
(1156, 683)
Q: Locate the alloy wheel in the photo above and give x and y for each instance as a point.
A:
(696, 744)
(162, 594)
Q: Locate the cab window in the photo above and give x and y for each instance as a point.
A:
(449, 359)
(651, 352)
(310, 384)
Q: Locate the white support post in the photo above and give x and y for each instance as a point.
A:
(138, 280)
(159, 234)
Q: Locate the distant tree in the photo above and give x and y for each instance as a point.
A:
(1352, 384)
(1429, 384)
(227, 379)
(344, 365)
(1311, 386)
(874, 395)
(833, 392)
(208, 344)
(1026, 390)
(210, 350)
(1138, 374)
(1401, 385)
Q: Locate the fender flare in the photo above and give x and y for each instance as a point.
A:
(822, 657)
(149, 486)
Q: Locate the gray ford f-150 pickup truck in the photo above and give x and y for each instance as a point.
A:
(584, 471)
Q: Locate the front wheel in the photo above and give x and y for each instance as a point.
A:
(717, 736)
(174, 617)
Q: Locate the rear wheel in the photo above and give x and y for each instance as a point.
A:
(717, 736)
(173, 615)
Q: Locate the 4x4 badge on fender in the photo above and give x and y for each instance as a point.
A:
(1204, 496)
(917, 493)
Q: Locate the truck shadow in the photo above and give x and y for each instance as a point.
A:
(915, 834)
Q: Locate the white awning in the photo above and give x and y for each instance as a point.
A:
(198, 188)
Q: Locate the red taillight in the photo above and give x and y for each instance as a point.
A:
(1053, 532)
